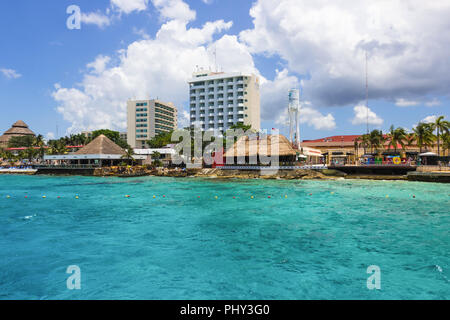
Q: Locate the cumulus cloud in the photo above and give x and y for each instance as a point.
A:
(433, 103)
(160, 66)
(362, 114)
(429, 119)
(10, 73)
(157, 67)
(406, 103)
(174, 9)
(98, 19)
(327, 42)
(99, 64)
(128, 6)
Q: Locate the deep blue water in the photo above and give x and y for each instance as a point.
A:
(183, 247)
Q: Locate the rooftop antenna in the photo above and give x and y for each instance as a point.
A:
(367, 94)
(215, 57)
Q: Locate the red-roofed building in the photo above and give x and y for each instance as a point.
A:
(342, 149)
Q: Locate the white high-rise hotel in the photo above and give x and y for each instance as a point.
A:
(218, 100)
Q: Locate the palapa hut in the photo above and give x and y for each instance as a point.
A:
(257, 150)
(101, 151)
(18, 129)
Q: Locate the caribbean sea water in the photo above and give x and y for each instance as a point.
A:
(195, 238)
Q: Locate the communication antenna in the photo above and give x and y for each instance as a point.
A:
(367, 94)
(215, 58)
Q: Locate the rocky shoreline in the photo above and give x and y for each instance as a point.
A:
(300, 174)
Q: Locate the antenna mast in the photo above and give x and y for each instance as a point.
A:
(215, 58)
(367, 95)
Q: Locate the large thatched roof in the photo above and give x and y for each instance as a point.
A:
(18, 129)
(101, 145)
(270, 145)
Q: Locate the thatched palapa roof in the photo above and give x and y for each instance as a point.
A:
(18, 129)
(270, 145)
(101, 145)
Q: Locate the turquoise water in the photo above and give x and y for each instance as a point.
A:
(180, 246)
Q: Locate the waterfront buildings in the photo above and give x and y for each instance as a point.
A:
(18, 129)
(100, 152)
(346, 149)
(148, 118)
(219, 100)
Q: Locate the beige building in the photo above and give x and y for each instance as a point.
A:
(148, 118)
(219, 100)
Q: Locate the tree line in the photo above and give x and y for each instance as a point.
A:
(424, 135)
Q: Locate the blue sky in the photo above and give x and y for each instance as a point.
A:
(156, 44)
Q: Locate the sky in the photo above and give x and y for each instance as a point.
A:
(62, 80)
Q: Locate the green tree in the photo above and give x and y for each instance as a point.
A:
(363, 142)
(446, 142)
(423, 134)
(129, 153)
(113, 135)
(21, 142)
(160, 140)
(441, 126)
(375, 140)
(242, 126)
(397, 136)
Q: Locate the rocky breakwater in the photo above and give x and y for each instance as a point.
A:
(256, 174)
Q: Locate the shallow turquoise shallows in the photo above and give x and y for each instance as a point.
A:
(309, 240)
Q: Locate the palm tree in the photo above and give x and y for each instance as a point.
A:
(363, 141)
(375, 139)
(423, 133)
(446, 143)
(397, 136)
(441, 126)
(40, 143)
(129, 153)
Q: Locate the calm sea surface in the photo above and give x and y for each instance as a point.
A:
(316, 243)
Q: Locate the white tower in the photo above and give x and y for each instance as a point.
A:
(294, 116)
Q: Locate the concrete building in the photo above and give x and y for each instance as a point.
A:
(219, 100)
(148, 118)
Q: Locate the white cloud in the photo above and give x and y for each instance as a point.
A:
(128, 6)
(429, 119)
(274, 101)
(362, 113)
(98, 19)
(207, 1)
(10, 73)
(433, 103)
(406, 103)
(99, 65)
(161, 66)
(327, 41)
(174, 9)
(156, 67)
(49, 136)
